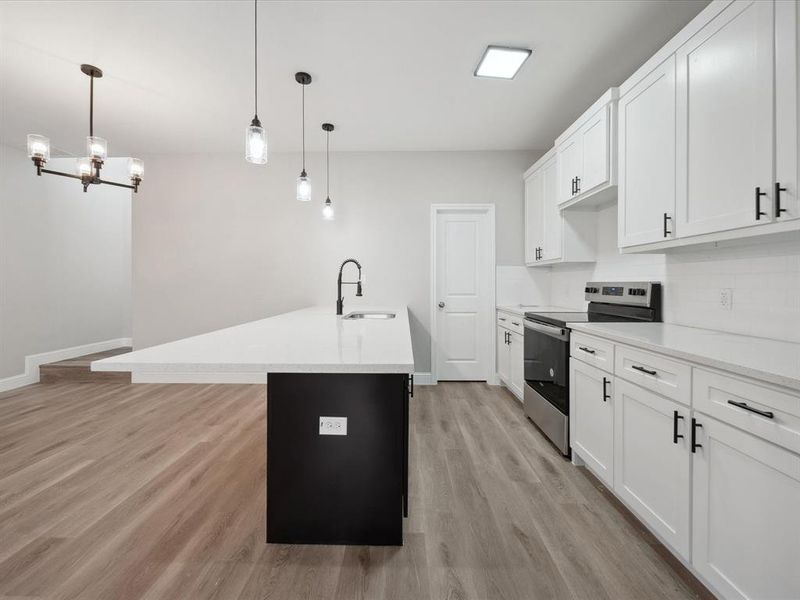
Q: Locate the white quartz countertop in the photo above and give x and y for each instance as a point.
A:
(312, 340)
(768, 360)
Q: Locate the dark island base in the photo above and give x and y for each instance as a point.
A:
(332, 489)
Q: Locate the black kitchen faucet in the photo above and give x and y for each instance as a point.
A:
(339, 282)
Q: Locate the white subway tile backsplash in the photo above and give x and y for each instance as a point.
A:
(763, 275)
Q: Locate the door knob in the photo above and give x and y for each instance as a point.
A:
(441, 304)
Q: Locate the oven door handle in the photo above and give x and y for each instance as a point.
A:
(556, 332)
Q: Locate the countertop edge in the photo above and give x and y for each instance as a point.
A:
(707, 361)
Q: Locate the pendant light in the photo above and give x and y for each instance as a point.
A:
(86, 169)
(303, 182)
(327, 210)
(255, 136)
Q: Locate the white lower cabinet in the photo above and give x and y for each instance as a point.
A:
(510, 353)
(503, 357)
(652, 461)
(592, 418)
(746, 514)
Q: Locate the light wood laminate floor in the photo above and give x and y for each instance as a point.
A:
(114, 491)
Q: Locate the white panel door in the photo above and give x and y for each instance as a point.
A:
(787, 110)
(652, 461)
(724, 121)
(570, 158)
(746, 517)
(534, 206)
(594, 145)
(592, 418)
(516, 359)
(463, 295)
(647, 158)
(553, 228)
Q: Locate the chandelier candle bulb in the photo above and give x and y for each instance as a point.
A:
(83, 166)
(135, 168)
(96, 147)
(38, 147)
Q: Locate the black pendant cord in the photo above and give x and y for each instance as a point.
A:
(328, 165)
(91, 105)
(255, 61)
(303, 126)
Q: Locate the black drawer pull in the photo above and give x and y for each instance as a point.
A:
(743, 405)
(643, 370)
(513, 323)
(675, 435)
(502, 318)
(695, 445)
(587, 350)
(411, 384)
(606, 396)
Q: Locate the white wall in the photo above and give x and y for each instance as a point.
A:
(217, 241)
(764, 275)
(65, 276)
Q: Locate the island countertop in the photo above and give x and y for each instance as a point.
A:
(311, 340)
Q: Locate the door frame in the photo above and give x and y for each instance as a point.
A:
(489, 211)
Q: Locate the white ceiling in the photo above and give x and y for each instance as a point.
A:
(390, 75)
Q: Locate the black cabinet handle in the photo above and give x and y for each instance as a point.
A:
(643, 370)
(514, 323)
(605, 393)
(587, 350)
(502, 318)
(508, 337)
(411, 384)
(743, 405)
(759, 212)
(577, 185)
(675, 435)
(573, 186)
(778, 190)
(667, 232)
(695, 445)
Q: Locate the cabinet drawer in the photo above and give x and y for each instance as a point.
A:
(594, 351)
(510, 322)
(654, 372)
(735, 401)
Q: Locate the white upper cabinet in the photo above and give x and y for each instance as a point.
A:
(646, 208)
(586, 154)
(724, 121)
(552, 236)
(787, 113)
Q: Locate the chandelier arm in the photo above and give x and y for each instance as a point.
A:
(70, 175)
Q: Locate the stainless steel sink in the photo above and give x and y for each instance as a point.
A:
(370, 315)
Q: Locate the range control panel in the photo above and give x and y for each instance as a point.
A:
(633, 293)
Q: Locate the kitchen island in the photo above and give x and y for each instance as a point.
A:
(337, 416)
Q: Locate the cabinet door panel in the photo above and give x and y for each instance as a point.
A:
(569, 166)
(647, 157)
(502, 356)
(651, 470)
(746, 524)
(592, 419)
(787, 109)
(516, 351)
(553, 224)
(595, 149)
(534, 206)
(724, 121)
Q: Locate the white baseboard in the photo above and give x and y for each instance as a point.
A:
(33, 361)
(423, 379)
(259, 378)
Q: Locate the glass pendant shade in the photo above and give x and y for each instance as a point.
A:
(96, 147)
(303, 187)
(256, 144)
(83, 166)
(135, 168)
(38, 147)
(327, 210)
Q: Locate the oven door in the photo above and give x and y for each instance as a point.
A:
(546, 363)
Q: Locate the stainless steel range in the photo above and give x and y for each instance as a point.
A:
(546, 363)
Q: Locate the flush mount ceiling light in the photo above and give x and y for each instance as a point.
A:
(88, 168)
(303, 182)
(501, 62)
(255, 136)
(327, 210)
